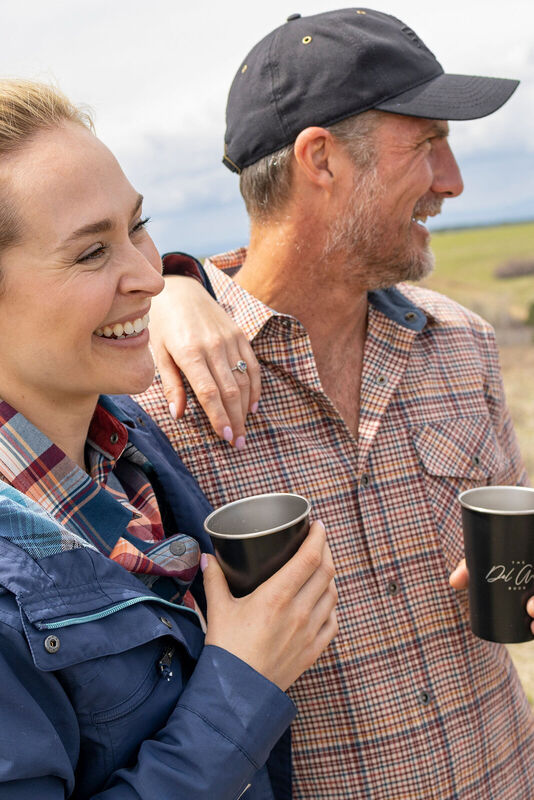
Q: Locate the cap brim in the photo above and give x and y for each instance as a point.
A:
(453, 97)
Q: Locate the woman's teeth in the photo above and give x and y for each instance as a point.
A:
(125, 329)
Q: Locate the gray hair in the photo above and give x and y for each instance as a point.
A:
(265, 185)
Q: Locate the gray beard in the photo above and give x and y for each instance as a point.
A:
(362, 238)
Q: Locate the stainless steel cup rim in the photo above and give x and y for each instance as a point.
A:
(468, 499)
(265, 532)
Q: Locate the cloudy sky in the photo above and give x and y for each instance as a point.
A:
(156, 76)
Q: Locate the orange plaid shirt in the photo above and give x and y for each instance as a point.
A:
(406, 702)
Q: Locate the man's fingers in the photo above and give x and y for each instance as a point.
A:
(459, 579)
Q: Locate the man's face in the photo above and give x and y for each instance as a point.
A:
(382, 228)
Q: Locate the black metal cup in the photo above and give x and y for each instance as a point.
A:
(255, 536)
(498, 524)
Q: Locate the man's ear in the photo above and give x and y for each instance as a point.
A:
(313, 151)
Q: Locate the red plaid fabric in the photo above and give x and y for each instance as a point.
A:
(406, 702)
(38, 468)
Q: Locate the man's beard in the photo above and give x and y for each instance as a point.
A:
(377, 256)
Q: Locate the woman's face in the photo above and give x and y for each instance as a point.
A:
(84, 266)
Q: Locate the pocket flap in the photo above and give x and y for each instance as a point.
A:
(465, 447)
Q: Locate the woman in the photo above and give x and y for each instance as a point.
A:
(107, 689)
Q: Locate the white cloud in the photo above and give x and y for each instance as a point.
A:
(157, 77)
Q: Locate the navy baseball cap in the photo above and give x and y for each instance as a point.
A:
(321, 69)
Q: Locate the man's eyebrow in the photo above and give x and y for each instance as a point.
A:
(438, 128)
(101, 226)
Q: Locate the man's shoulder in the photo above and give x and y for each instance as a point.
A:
(444, 311)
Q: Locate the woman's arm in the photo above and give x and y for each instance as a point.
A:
(229, 714)
(190, 332)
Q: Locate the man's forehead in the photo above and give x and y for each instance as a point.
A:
(420, 126)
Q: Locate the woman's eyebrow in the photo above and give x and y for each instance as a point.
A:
(101, 226)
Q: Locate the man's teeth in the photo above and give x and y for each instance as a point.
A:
(125, 329)
(418, 218)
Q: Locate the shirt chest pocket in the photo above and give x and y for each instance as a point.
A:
(457, 454)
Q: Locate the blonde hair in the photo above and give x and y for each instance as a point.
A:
(27, 107)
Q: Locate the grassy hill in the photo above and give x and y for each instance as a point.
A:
(466, 261)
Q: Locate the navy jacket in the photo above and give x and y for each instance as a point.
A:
(106, 690)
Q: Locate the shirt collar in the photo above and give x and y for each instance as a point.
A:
(251, 314)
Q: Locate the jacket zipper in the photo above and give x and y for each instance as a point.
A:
(64, 623)
(165, 663)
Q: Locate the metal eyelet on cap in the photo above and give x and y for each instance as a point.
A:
(114, 438)
(166, 622)
(51, 644)
(306, 40)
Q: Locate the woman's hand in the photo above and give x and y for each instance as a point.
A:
(189, 331)
(282, 627)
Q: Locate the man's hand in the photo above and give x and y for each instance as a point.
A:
(459, 579)
(189, 331)
(282, 627)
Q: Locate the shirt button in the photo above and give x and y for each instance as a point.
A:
(393, 587)
(51, 644)
(365, 480)
(382, 380)
(424, 698)
(114, 438)
(476, 461)
(177, 548)
(166, 622)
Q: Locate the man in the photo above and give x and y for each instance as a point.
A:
(379, 403)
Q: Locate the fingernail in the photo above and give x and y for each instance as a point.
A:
(321, 523)
(530, 607)
(203, 561)
(228, 434)
(253, 408)
(172, 410)
(240, 443)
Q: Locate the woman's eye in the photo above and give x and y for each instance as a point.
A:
(91, 255)
(139, 226)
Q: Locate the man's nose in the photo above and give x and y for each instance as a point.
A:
(447, 176)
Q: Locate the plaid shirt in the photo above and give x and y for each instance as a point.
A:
(406, 702)
(114, 507)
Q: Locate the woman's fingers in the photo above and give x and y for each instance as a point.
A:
(173, 385)
(191, 329)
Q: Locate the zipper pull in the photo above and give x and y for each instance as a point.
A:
(165, 663)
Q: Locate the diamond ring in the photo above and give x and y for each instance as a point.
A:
(241, 366)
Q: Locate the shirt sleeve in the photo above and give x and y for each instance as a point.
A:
(227, 720)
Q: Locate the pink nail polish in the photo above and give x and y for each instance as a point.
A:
(254, 408)
(228, 434)
(172, 410)
(240, 443)
(203, 561)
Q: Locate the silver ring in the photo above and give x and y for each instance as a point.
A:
(241, 366)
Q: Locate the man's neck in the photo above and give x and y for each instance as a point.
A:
(297, 281)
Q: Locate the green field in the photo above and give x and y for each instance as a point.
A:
(465, 265)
